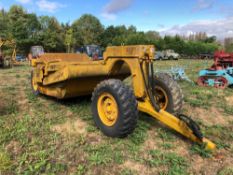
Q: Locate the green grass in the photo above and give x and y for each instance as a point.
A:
(81, 169)
(5, 162)
(167, 146)
(10, 107)
(228, 109)
(29, 145)
(127, 171)
(166, 134)
(176, 164)
(103, 155)
(200, 149)
(8, 103)
(17, 76)
(226, 171)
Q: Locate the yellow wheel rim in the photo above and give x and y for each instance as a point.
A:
(161, 97)
(107, 109)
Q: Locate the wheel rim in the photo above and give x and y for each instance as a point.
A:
(161, 97)
(221, 82)
(107, 109)
(202, 81)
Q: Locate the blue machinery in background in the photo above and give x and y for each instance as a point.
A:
(216, 78)
(177, 73)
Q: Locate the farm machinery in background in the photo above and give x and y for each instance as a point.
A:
(205, 56)
(92, 51)
(7, 53)
(177, 73)
(220, 74)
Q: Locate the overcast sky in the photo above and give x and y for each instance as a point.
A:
(215, 17)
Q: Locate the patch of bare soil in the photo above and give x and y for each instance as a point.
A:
(151, 143)
(229, 100)
(6, 79)
(71, 127)
(109, 169)
(94, 138)
(137, 167)
(182, 147)
(76, 128)
(69, 113)
(211, 116)
(14, 148)
(211, 166)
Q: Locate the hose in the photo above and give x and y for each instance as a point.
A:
(151, 93)
(152, 78)
(150, 87)
(192, 125)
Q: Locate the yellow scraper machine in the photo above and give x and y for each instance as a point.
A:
(115, 105)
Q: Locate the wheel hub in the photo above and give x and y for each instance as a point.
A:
(161, 97)
(107, 109)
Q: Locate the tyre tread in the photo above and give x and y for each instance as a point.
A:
(128, 102)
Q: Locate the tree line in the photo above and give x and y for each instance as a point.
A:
(28, 29)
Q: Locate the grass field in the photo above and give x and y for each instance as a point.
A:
(42, 135)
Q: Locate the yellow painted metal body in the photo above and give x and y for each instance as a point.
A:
(70, 75)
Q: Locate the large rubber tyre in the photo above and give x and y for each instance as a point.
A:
(126, 106)
(35, 90)
(173, 96)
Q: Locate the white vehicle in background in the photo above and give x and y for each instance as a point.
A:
(159, 55)
(167, 55)
(171, 55)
